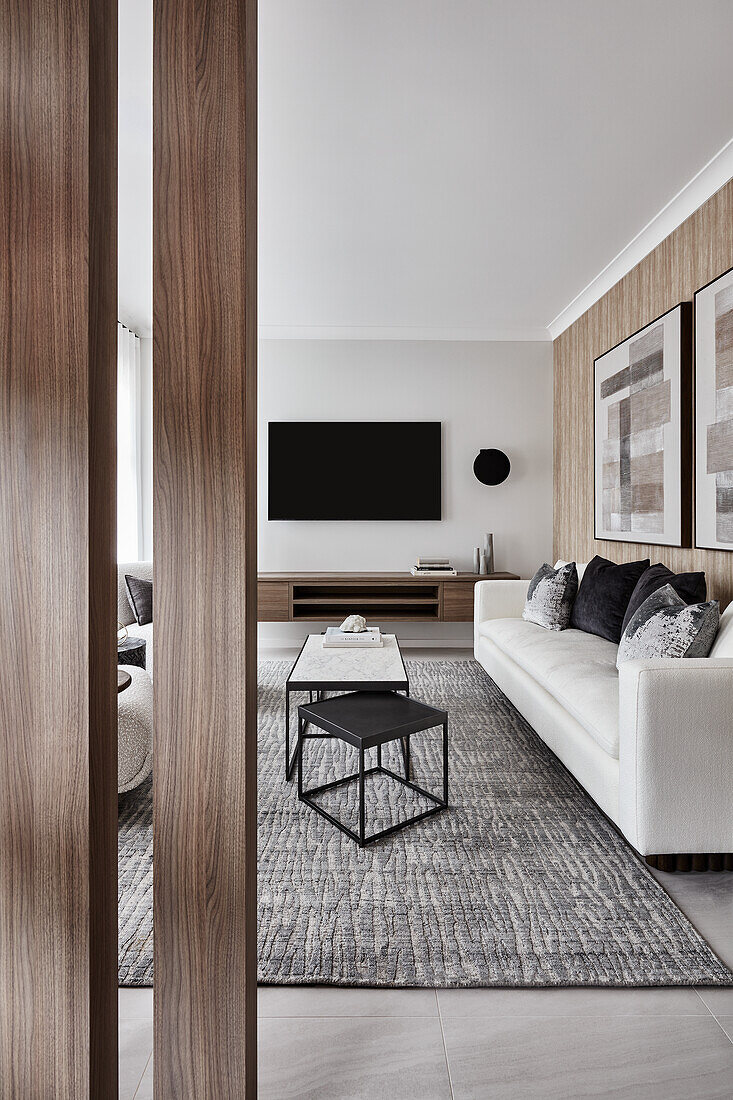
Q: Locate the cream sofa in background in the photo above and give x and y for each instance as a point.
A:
(652, 744)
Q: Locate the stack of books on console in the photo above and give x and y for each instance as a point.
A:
(433, 567)
(334, 638)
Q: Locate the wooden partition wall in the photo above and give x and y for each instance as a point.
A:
(698, 251)
(58, 707)
(204, 788)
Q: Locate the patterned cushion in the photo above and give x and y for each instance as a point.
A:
(550, 596)
(665, 626)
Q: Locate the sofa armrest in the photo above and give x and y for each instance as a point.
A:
(497, 600)
(676, 754)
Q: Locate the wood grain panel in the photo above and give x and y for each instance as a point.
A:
(58, 716)
(204, 255)
(696, 252)
(458, 601)
(273, 601)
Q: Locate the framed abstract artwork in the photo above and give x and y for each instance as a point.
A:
(714, 414)
(643, 428)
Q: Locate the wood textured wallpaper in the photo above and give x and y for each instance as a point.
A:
(696, 252)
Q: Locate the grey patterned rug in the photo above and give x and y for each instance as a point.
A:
(522, 882)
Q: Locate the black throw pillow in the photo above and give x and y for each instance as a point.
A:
(691, 587)
(604, 595)
(140, 596)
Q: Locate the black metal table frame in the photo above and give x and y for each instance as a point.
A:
(361, 838)
(319, 687)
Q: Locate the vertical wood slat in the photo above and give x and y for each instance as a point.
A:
(697, 251)
(204, 786)
(58, 716)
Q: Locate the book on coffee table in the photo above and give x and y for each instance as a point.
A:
(334, 638)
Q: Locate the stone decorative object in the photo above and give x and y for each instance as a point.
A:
(354, 624)
(489, 551)
(483, 565)
(477, 559)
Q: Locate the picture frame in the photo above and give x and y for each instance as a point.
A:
(714, 414)
(642, 422)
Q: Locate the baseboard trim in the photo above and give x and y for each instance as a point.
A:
(711, 861)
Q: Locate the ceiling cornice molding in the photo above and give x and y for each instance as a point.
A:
(714, 175)
(399, 332)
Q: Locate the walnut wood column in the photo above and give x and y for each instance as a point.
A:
(204, 168)
(58, 713)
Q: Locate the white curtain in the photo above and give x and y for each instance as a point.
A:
(129, 465)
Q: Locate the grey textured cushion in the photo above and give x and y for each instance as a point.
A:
(665, 626)
(142, 569)
(551, 595)
(140, 595)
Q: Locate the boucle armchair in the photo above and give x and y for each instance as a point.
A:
(134, 730)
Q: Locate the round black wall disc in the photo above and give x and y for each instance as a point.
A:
(491, 467)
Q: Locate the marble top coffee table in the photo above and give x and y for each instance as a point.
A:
(317, 670)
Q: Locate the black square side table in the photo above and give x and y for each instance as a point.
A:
(369, 720)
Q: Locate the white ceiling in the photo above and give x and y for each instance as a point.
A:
(452, 167)
(471, 165)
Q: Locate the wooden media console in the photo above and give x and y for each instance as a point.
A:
(393, 597)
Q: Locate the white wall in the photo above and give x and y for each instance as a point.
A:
(146, 443)
(485, 394)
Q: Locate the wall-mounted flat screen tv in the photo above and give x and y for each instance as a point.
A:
(355, 470)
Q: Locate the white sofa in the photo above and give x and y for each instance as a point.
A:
(651, 743)
(143, 570)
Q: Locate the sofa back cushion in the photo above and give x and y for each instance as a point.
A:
(141, 569)
(723, 644)
(551, 595)
(666, 626)
(691, 587)
(140, 594)
(580, 567)
(604, 595)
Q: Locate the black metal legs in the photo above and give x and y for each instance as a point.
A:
(289, 761)
(362, 813)
(299, 756)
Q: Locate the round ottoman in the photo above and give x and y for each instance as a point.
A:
(134, 730)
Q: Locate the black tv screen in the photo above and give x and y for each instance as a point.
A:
(356, 470)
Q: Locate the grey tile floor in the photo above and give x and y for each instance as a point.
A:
(488, 1044)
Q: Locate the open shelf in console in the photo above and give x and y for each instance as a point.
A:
(394, 602)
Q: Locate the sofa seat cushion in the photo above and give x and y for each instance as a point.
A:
(577, 669)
